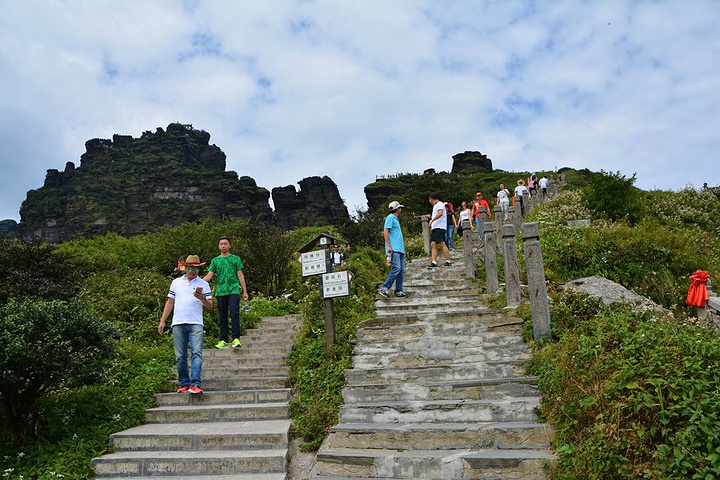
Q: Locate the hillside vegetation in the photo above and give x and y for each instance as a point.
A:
(631, 396)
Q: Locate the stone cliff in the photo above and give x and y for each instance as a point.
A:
(135, 185)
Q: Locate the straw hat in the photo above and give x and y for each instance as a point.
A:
(193, 261)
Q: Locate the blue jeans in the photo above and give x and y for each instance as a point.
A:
(184, 334)
(397, 272)
(231, 303)
(479, 225)
(450, 233)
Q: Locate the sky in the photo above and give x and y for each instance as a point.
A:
(355, 89)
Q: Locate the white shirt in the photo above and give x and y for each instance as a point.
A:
(440, 222)
(543, 182)
(520, 190)
(464, 215)
(187, 308)
(503, 195)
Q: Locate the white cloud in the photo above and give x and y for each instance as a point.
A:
(289, 89)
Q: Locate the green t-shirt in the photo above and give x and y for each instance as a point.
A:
(225, 270)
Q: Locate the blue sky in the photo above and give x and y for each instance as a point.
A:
(355, 89)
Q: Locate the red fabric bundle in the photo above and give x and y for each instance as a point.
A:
(697, 294)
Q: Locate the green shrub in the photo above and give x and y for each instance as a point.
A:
(647, 258)
(47, 346)
(630, 396)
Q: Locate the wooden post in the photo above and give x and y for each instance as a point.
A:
(329, 304)
(537, 289)
(491, 271)
(512, 270)
(468, 257)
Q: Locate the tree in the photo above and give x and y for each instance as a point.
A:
(34, 271)
(47, 345)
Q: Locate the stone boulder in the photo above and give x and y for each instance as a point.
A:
(610, 292)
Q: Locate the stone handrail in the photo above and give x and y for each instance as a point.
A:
(711, 311)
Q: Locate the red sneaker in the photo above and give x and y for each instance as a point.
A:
(195, 389)
(183, 389)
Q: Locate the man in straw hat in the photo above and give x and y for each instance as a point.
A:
(188, 294)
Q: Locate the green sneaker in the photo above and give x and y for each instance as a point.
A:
(221, 344)
(236, 343)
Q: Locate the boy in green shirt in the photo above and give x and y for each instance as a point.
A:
(228, 269)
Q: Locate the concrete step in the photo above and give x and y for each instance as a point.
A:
(430, 358)
(225, 397)
(469, 371)
(458, 390)
(236, 372)
(521, 409)
(217, 413)
(267, 434)
(440, 436)
(244, 383)
(433, 464)
(185, 463)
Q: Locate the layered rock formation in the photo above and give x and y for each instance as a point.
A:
(134, 185)
(317, 203)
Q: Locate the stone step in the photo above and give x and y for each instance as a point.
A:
(521, 409)
(459, 390)
(185, 463)
(433, 464)
(236, 372)
(217, 413)
(244, 383)
(239, 476)
(401, 328)
(440, 436)
(249, 348)
(267, 434)
(276, 338)
(393, 306)
(245, 360)
(469, 371)
(492, 319)
(420, 338)
(224, 397)
(441, 356)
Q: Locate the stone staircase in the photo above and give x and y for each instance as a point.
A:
(438, 390)
(236, 430)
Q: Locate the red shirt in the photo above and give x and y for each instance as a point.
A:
(477, 205)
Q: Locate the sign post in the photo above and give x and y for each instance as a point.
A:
(337, 284)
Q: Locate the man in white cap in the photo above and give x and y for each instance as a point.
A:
(188, 295)
(395, 249)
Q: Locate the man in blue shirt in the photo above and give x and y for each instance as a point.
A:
(395, 249)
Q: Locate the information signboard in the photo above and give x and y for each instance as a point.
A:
(313, 263)
(335, 284)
